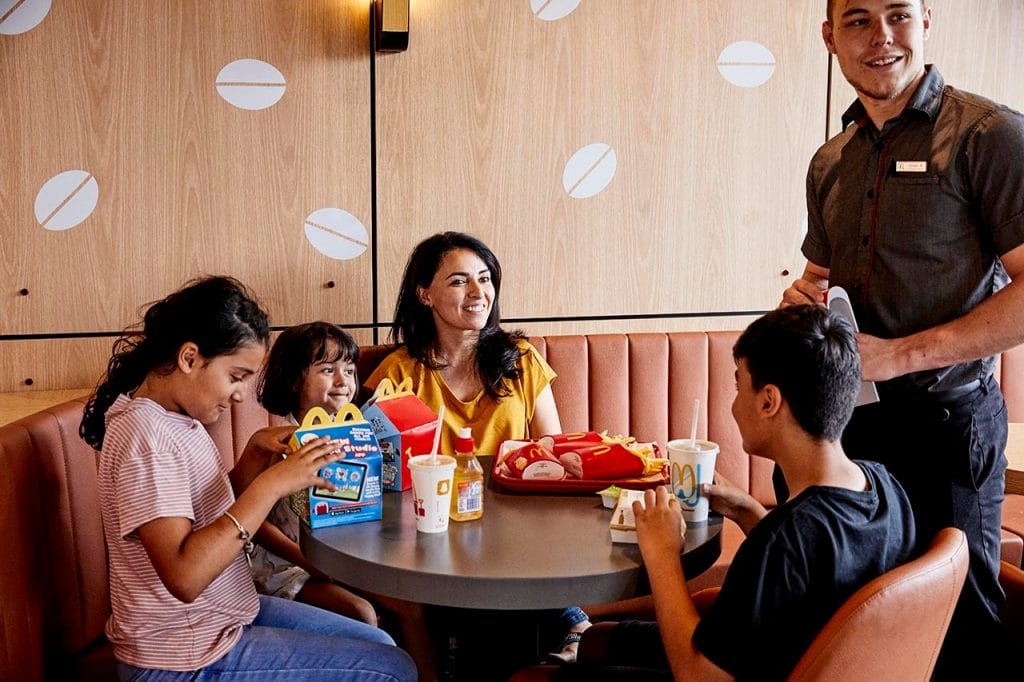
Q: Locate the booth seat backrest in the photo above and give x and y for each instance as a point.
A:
(53, 568)
(644, 385)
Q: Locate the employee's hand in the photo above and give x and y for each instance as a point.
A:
(804, 291)
(809, 288)
(880, 359)
(659, 525)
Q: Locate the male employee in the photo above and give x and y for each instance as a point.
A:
(917, 210)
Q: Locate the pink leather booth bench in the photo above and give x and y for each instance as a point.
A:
(53, 570)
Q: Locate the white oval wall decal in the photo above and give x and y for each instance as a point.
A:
(589, 170)
(20, 17)
(746, 64)
(336, 233)
(250, 84)
(552, 10)
(66, 199)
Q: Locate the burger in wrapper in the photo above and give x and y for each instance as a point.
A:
(532, 462)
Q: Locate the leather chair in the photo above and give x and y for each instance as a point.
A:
(890, 629)
(893, 627)
(1012, 579)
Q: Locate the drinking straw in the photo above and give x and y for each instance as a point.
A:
(437, 436)
(693, 423)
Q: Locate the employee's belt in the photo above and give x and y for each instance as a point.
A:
(943, 396)
(958, 392)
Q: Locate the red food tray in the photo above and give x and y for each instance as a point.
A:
(569, 484)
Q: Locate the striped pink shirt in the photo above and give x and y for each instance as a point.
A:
(157, 464)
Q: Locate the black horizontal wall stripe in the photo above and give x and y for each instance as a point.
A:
(376, 326)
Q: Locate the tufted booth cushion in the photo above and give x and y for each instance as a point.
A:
(54, 557)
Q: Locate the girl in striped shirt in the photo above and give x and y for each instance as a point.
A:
(182, 597)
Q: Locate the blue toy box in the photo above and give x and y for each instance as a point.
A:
(357, 476)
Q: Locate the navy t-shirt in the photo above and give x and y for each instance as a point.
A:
(797, 567)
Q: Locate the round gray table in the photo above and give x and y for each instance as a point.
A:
(528, 551)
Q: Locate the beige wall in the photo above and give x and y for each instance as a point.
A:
(471, 129)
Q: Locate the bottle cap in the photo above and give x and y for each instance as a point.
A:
(464, 441)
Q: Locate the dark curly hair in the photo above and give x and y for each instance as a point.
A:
(216, 313)
(497, 350)
(296, 350)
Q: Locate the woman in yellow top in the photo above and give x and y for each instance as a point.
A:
(450, 341)
(452, 345)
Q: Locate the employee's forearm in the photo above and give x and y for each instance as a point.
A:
(996, 325)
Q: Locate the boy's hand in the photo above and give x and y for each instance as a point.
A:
(659, 526)
(726, 498)
(733, 502)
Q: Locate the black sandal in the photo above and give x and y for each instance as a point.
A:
(567, 652)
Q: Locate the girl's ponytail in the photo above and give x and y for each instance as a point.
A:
(126, 370)
(218, 314)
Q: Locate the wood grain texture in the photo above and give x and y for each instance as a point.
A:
(53, 364)
(188, 183)
(478, 118)
(475, 123)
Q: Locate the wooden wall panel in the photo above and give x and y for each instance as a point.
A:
(477, 120)
(474, 125)
(976, 44)
(187, 182)
(51, 364)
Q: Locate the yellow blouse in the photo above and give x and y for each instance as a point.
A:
(491, 422)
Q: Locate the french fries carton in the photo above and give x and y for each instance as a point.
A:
(357, 476)
(404, 427)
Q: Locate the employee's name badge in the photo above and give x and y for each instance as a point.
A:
(911, 166)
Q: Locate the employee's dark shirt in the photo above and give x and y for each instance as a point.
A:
(911, 220)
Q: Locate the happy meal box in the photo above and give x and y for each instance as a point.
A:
(404, 427)
(357, 475)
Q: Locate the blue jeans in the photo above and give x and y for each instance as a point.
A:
(295, 641)
(571, 615)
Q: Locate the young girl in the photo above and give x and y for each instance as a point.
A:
(313, 365)
(182, 597)
(310, 365)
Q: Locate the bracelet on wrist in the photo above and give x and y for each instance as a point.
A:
(243, 534)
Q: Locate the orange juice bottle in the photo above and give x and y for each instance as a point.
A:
(468, 483)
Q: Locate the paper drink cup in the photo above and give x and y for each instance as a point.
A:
(692, 463)
(432, 491)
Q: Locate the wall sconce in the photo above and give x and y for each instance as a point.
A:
(391, 25)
